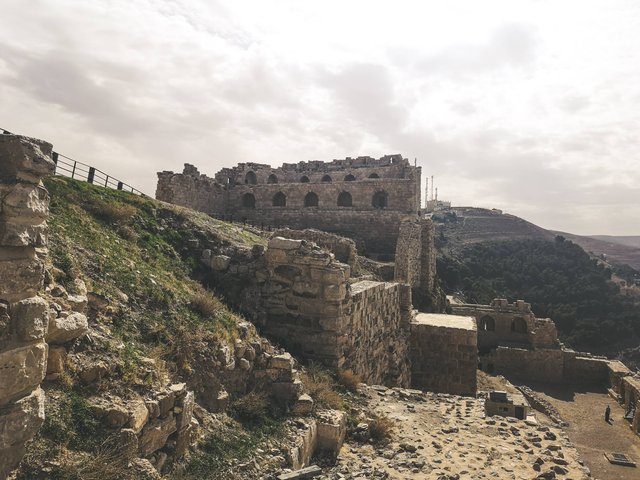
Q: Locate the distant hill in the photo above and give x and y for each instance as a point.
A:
(618, 250)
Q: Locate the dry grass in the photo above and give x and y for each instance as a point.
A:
(380, 428)
(349, 380)
(321, 387)
(114, 212)
(251, 407)
(205, 304)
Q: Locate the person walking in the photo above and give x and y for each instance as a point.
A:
(607, 414)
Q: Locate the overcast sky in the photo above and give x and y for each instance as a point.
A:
(528, 106)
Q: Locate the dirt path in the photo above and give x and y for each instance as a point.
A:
(584, 411)
(447, 437)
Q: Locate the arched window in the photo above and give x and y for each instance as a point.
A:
(230, 181)
(248, 201)
(311, 200)
(349, 178)
(519, 325)
(487, 324)
(374, 175)
(279, 200)
(344, 200)
(304, 179)
(326, 178)
(250, 178)
(272, 178)
(379, 199)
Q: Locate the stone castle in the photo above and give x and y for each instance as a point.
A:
(363, 198)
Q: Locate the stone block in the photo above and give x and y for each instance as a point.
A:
(29, 203)
(16, 233)
(281, 362)
(304, 473)
(30, 318)
(280, 243)
(25, 158)
(22, 273)
(77, 303)
(56, 360)
(138, 415)
(183, 419)
(22, 369)
(63, 330)
(304, 405)
(332, 428)
(219, 263)
(183, 440)
(155, 434)
(335, 293)
(21, 420)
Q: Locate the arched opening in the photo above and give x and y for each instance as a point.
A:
(248, 201)
(304, 179)
(349, 178)
(230, 181)
(487, 324)
(311, 200)
(326, 179)
(379, 199)
(250, 178)
(519, 325)
(272, 178)
(279, 200)
(374, 175)
(344, 200)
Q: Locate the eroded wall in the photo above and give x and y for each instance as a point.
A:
(24, 207)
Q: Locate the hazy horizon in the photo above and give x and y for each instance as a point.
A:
(530, 107)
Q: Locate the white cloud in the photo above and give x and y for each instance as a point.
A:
(528, 106)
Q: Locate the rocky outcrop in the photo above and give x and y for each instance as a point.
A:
(24, 317)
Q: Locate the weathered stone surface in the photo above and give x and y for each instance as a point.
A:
(155, 434)
(220, 262)
(332, 428)
(77, 303)
(63, 330)
(27, 202)
(183, 440)
(116, 416)
(30, 318)
(282, 362)
(20, 421)
(308, 472)
(56, 360)
(144, 469)
(22, 368)
(304, 405)
(25, 158)
(138, 415)
(186, 403)
(284, 243)
(22, 273)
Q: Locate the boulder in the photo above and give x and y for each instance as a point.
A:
(20, 421)
(155, 434)
(138, 415)
(22, 369)
(30, 318)
(63, 330)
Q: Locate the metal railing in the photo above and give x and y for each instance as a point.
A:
(68, 167)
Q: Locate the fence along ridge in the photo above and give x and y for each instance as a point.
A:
(68, 167)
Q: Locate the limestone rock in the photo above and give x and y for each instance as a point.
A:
(187, 404)
(22, 368)
(138, 415)
(332, 428)
(77, 303)
(155, 434)
(63, 330)
(304, 405)
(25, 158)
(22, 274)
(281, 362)
(220, 262)
(30, 318)
(56, 360)
(284, 243)
(20, 421)
(144, 469)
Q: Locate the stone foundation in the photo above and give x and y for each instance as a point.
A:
(24, 317)
(444, 354)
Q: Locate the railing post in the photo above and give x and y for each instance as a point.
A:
(106, 181)
(92, 172)
(54, 157)
(74, 169)
(119, 185)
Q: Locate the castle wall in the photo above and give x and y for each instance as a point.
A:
(24, 208)
(415, 260)
(348, 197)
(311, 308)
(343, 248)
(444, 354)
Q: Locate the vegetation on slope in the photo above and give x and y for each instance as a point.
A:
(559, 279)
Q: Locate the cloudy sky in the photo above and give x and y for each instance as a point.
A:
(528, 106)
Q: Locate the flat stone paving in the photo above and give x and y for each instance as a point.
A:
(444, 320)
(584, 411)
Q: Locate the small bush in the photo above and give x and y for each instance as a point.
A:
(321, 387)
(251, 407)
(349, 380)
(114, 212)
(205, 304)
(380, 428)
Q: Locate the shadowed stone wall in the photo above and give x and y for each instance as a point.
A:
(363, 198)
(24, 207)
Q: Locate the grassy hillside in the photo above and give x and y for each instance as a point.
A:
(154, 316)
(558, 278)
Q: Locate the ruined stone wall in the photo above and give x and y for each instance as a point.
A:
(343, 248)
(310, 307)
(191, 189)
(444, 354)
(509, 324)
(547, 365)
(365, 199)
(415, 260)
(24, 207)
